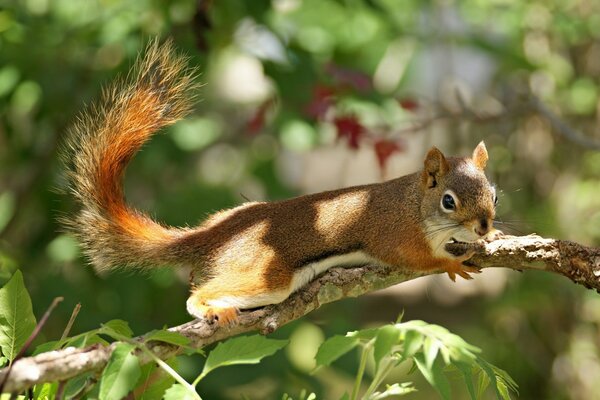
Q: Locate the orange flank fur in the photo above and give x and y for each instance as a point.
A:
(259, 253)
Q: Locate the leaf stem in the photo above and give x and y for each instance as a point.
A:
(167, 368)
(361, 370)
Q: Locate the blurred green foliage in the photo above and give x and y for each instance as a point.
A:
(278, 73)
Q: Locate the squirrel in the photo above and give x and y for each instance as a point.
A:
(260, 252)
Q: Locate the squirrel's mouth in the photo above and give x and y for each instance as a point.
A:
(453, 240)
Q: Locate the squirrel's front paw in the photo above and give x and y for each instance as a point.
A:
(493, 235)
(220, 315)
(458, 268)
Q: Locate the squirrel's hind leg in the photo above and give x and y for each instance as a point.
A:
(218, 301)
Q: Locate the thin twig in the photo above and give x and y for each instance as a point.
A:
(71, 321)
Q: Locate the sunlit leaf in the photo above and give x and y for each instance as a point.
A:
(166, 336)
(242, 350)
(178, 392)
(386, 339)
(17, 321)
(118, 326)
(120, 374)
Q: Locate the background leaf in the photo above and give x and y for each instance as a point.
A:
(16, 316)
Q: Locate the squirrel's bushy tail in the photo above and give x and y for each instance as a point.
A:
(158, 91)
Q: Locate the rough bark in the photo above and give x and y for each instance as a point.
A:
(579, 263)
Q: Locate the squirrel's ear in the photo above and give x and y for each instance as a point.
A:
(480, 156)
(435, 166)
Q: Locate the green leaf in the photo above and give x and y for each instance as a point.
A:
(45, 391)
(346, 396)
(48, 346)
(166, 336)
(120, 374)
(17, 321)
(75, 384)
(242, 350)
(483, 382)
(85, 339)
(431, 346)
(413, 341)
(118, 326)
(503, 391)
(364, 334)
(385, 340)
(335, 347)
(178, 392)
(154, 381)
(434, 375)
(467, 372)
(487, 368)
(394, 390)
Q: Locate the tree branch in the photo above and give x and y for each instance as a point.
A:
(579, 263)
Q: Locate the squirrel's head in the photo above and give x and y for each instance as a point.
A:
(458, 200)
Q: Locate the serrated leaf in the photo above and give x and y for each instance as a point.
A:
(45, 391)
(413, 341)
(154, 381)
(17, 321)
(467, 372)
(487, 368)
(364, 334)
(120, 374)
(48, 346)
(168, 337)
(242, 350)
(434, 375)
(117, 326)
(387, 337)
(503, 391)
(75, 384)
(333, 348)
(483, 382)
(394, 390)
(431, 346)
(86, 339)
(178, 392)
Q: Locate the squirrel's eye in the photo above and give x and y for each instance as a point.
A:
(495, 200)
(448, 203)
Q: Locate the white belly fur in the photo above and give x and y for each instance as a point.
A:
(301, 277)
(310, 271)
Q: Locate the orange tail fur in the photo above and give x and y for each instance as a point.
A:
(158, 92)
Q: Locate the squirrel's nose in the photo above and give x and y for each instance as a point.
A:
(482, 227)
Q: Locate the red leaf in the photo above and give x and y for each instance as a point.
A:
(409, 104)
(385, 148)
(348, 127)
(321, 100)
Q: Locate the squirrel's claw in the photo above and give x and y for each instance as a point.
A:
(461, 270)
(213, 315)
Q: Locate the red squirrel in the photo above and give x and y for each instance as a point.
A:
(260, 252)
